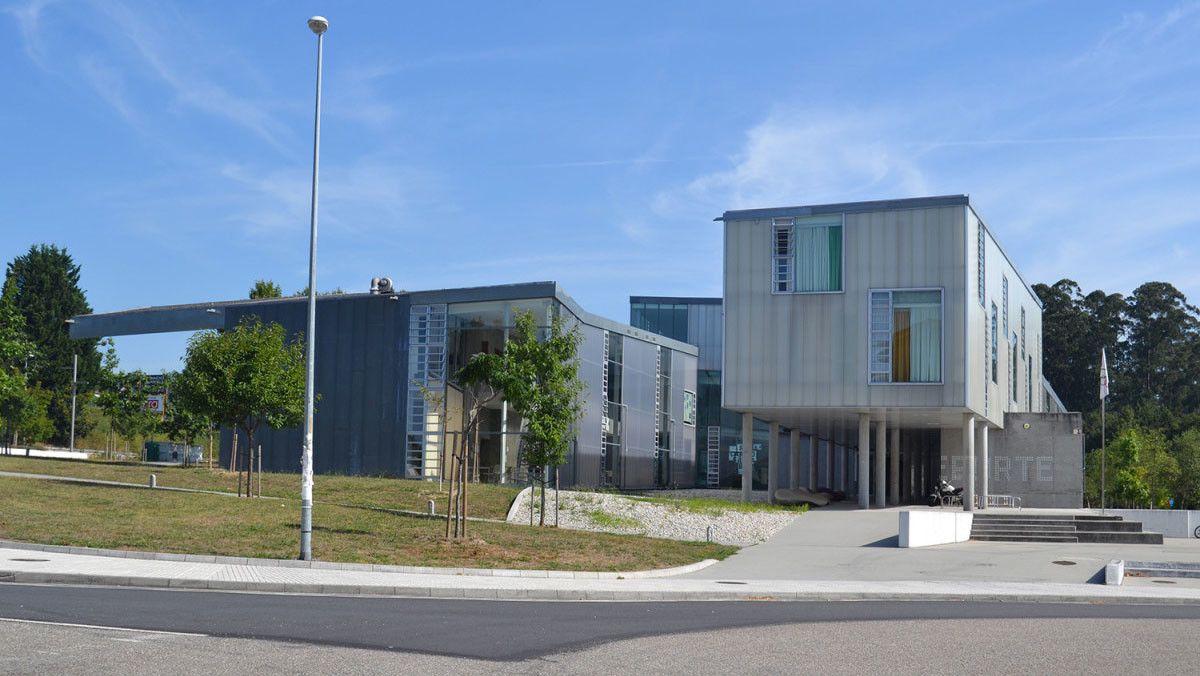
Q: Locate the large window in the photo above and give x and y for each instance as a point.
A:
(1004, 301)
(906, 336)
(995, 345)
(1015, 363)
(665, 319)
(980, 272)
(807, 255)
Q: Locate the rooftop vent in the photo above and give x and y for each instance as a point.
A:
(381, 285)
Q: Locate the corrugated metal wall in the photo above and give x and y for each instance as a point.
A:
(361, 362)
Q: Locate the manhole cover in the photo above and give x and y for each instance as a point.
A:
(729, 582)
(1063, 563)
(31, 560)
(1163, 581)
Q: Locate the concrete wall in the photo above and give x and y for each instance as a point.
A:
(1041, 464)
(1172, 523)
(922, 529)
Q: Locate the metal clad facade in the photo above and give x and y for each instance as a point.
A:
(359, 423)
(587, 455)
(683, 437)
(811, 350)
(704, 331)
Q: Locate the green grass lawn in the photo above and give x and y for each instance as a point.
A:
(486, 500)
(51, 512)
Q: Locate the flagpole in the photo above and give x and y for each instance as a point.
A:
(1103, 441)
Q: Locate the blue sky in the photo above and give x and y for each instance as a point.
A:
(168, 146)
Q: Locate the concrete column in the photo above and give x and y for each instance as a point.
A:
(772, 462)
(747, 456)
(981, 448)
(881, 463)
(864, 460)
(968, 433)
(828, 482)
(812, 461)
(794, 456)
(894, 459)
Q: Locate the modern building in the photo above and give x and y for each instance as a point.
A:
(379, 355)
(888, 342)
(698, 321)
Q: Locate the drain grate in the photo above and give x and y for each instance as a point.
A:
(729, 582)
(1063, 563)
(31, 560)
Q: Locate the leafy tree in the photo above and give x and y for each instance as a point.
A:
(265, 288)
(1125, 484)
(1160, 470)
(1163, 343)
(17, 403)
(336, 291)
(47, 294)
(1187, 455)
(181, 423)
(542, 384)
(244, 378)
(16, 349)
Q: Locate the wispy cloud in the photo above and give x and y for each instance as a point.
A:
(144, 50)
(803, 156)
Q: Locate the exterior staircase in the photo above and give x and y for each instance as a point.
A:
(1018, 527)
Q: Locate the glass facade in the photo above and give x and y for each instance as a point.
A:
(665, 319)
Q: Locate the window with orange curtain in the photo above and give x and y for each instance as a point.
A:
(906, 336)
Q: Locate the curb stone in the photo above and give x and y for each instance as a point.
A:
(359, 567)
(21, 577)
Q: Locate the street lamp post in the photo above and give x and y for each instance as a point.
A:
(318, 25)
(74, 388)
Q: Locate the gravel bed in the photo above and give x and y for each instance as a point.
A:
(609, 513)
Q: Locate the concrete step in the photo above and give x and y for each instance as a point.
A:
(1093, 526)
(1120, 538)
(1030, 516)
(1024, 538)
(1022, 527)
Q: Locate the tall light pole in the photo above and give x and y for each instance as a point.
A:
(74, 388)
(318, 25)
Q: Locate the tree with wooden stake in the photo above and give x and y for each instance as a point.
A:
(541, 382)
(482, 380)
(244, 378)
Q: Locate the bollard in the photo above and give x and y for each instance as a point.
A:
(432, 508)
(153, 481)
(709, 534)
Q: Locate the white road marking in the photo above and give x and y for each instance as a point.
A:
(101, 626)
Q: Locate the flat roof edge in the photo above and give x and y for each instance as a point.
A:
(846, 207)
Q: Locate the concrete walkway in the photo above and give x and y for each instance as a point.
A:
(853, 544)
(40, 567)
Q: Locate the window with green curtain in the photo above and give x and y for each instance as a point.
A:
(818, 254)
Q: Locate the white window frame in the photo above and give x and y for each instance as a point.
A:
(941, 318)
(790, 222)
(1004, 300)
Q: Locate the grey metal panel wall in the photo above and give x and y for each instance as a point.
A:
(586, 462)
(704, 331)
(638, 385)
(810, 350)
(361, 367)
(683, 437)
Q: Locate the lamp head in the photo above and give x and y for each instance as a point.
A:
(318, 24)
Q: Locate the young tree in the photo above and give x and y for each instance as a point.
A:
(1159, 469)
(17, 403)
(47, 294)
(244, 378)
(265, 288)
(542, 384)
(482, 380)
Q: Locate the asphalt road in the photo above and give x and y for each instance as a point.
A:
(490, 630)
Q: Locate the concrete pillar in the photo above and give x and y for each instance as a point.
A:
(968, 433)
(772, 462)
(894, 459)
(981, 448)
(881, 463)
(794, 456)
(864, 460)
(747, 456)
(828, 482)
(813, 461)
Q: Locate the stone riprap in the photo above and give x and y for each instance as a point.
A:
(629, 515)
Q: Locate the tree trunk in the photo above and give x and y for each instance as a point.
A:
(450, 503)
(545, 480)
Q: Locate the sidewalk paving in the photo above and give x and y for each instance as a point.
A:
(41, 567)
